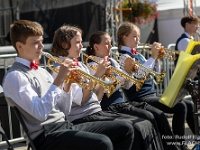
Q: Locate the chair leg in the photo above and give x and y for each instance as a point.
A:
(29, 147)
(7, 141)
(10, 148)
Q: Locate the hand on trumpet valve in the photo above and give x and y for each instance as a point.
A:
(155, 50)
(129, 65)
(161, 52)
(75, 77)
(102, 68)
(65, 68)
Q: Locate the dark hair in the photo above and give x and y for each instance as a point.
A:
(21, 30)
(95, 38)
(64, 34)
(125, 29)
(189, 19)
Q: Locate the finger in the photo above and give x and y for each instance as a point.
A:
(107, 63)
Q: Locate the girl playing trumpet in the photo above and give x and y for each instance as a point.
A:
(128, 37)
(85, 104)
(99, 46)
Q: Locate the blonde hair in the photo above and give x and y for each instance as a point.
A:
(125, 29)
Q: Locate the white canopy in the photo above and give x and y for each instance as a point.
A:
(174, 4)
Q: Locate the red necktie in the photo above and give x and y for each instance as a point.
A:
(134, 51)
(34, 65)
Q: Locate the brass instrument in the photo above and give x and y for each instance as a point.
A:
(158, 76)
(110, 87)
(138, 83)
(113, 78)
(168, 53)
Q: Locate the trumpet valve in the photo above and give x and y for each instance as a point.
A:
(135, 68)
(161, 53)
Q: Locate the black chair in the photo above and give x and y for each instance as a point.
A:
(19, 116)
(5, 138)
(2, 132)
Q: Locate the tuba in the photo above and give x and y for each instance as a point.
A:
(110, 87)
(126, 76)
(158, 76)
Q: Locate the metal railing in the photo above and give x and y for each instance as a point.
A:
(8, 52)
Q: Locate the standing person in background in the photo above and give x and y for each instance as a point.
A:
(36, 94)
(67, 43)
(99, 46)
(190, 25)
(128, 37)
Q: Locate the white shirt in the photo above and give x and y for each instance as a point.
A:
(183, 43)
(17, 84)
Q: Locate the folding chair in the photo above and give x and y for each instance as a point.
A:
(19, 116)
(5, 138)
(2, 132)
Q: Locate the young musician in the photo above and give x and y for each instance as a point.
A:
(128, 36)
(190, 25)
(99, 46)
(34, 92)
(67, 43)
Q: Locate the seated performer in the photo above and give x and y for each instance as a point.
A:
(128, 37)
(67, 43)
(34, 92)
(100, 45)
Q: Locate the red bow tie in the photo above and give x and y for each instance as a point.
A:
(75, 62)
(34, 65)
(106, 58)
(134, 51)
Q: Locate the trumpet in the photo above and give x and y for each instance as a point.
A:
(168, 53)
(138, 83)
(110, 87)
(158, 76)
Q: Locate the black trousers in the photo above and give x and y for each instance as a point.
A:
(154, 115)
(145, 135)
(100, 135)
(182, 111)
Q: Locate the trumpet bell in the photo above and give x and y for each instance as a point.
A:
(164, 52)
